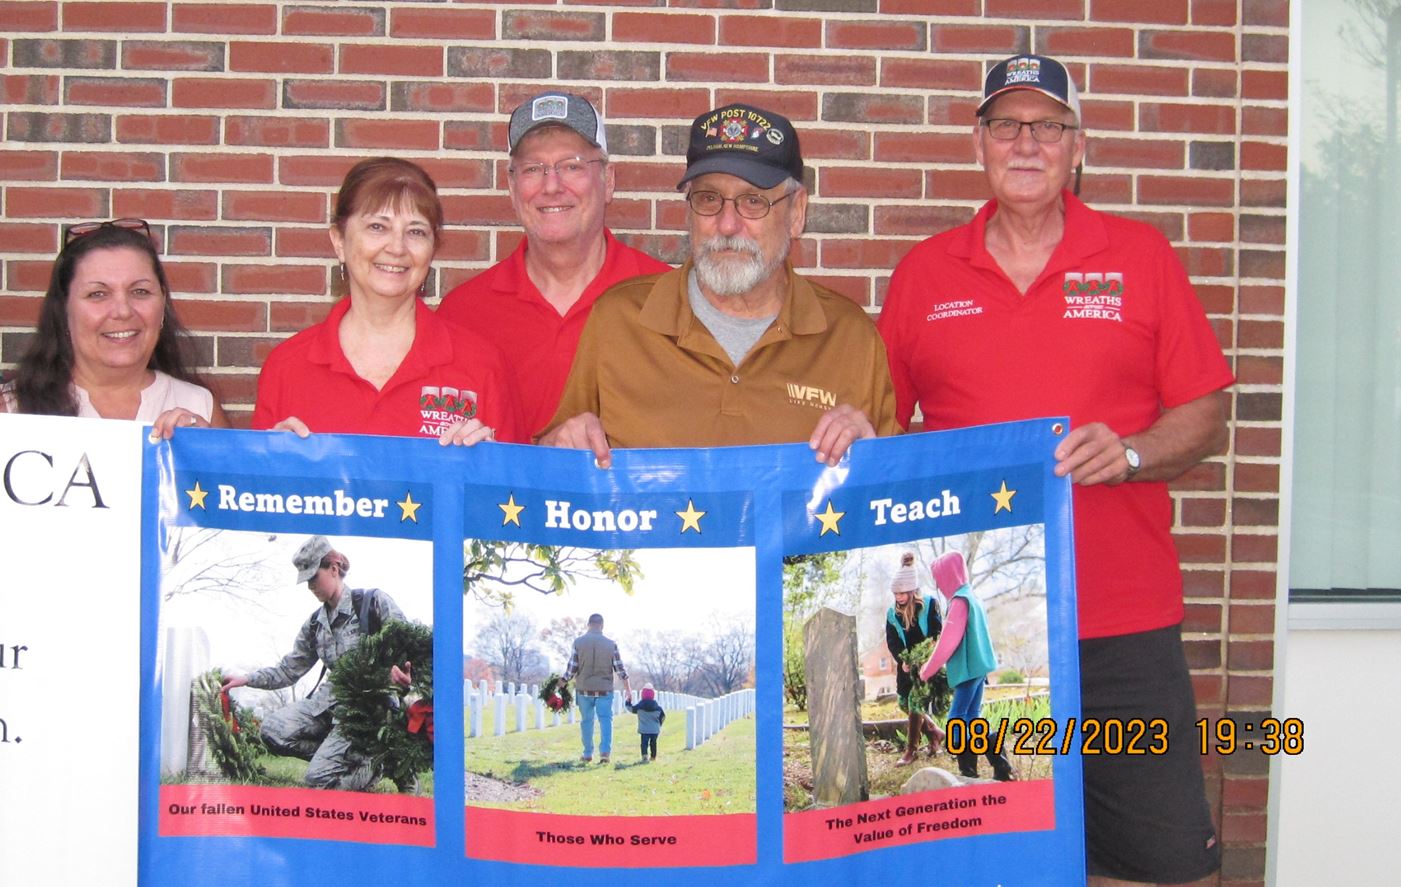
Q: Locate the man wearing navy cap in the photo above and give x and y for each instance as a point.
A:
(533, 304)
(733, 347)
(1042, 306)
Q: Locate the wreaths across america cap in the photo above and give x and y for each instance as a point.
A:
(561, 109)
(1038, 73)
(759, 146)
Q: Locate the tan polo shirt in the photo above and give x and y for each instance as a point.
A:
(656, 377)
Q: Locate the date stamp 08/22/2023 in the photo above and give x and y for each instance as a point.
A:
(1113, 736)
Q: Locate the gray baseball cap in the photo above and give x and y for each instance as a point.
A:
(308, 557)
(559, 109)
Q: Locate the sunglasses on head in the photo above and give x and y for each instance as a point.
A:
(83, 228)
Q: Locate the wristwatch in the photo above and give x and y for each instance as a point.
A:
(1134, 460)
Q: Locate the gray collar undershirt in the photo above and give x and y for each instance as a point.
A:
(736, 335)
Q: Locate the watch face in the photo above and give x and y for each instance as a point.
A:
(1132, 456)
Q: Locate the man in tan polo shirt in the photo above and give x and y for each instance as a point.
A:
(733, 347)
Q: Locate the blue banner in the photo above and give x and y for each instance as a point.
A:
(736, 705)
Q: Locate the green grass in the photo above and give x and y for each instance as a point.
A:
(715, 778)
(286, 772)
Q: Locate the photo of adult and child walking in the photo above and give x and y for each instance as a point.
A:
(883, 646)
(609, 682)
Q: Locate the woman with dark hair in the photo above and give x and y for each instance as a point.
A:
(910, 620)
(383, 362)
(108, 344)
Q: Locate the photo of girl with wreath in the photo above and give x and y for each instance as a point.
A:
(911, 620)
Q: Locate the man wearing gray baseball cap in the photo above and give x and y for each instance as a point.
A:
(734, 347)
(533, 304)
(307, 728)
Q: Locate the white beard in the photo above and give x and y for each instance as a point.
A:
(732, 276)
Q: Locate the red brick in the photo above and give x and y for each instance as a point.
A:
(1252, 618)
(182, 129)
(183, 56)
(113, 166)
(1110, 152)
(642, 176)
(1270, 48)
(1211, 227)
(1199, 46)
(894, 34)
(1203, 513)
(869, 182)
(303, 243)
(208, 240)
(847, 70)
(224, 18)
(1251, 548)
(415, 60)
(1202, 618)
(710, 67)
(1090, 41)
(952, 111)
(1197, 548)
(127, 18)
(28, 16)
(1214, 83)
(150, 203)
(795, 104)
(1214, 12)
(486, 209)
(1203, 583)
(1138, 79)
(458, 245)
(1255, 512)
(1262, 155)
(930, 7)
(275, 206)
(1268, 13)
(1202, 477)
(191, 277)
(1203, 261)
(1250, 655)
(281, 132)
(989, 39)
(865, 253)
(652, 27)
(245, 351)
(1258, 121)
(448, 173)
(861, 108)
(1104, 116)
(108, 91)
(474, 135)
(453, 97)
(844, 145)
(1265, 85)
(519, 24)
(318, 170)
(27, 237)
(1263, 193)
(1216, 298)
(770, 32)
(1165, 12)
(396, 134)
(1166, 117)
(338, 22)
(274, 280)
(1262, 300)
(293, 317)
(222, 167)
(224, 316)
(1261, 334)
(627, 101)
(1243, 792)
(956, 184)
(31, 166)
(30, 89)
(345, 95)
(281, 58)
(200, 92)
(28, 277)
(857, 289)
(922, 147)
(1035, 10)
(50, 203)
(930, 74)
(920, 220)
(443, 24)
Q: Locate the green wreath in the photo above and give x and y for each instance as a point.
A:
(233, 733)
(556, 694)
(374, 713)
(932, 696)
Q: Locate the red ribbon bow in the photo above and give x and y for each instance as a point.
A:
(421, 718)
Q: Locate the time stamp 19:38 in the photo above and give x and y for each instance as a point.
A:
(1114, 736)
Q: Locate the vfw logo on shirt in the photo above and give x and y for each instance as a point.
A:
(1094, 295)
(442, 406)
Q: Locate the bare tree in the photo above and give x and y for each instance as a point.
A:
(665, 659)
(197, 561)
(558, 637)
(727, 658)
(506, 643)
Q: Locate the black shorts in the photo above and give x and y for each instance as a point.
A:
(1146, 816)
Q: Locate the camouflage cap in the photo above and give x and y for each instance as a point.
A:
(308, 557)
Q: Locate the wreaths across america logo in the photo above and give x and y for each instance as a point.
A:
(440, 406)
(1094, 295)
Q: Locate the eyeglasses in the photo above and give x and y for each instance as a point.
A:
(83, 228)
(571, 170)
(1005, 129)
(749, 206)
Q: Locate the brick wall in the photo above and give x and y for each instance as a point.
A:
(229, 124)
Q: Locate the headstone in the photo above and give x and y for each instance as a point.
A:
(928, 779)
(831, 667)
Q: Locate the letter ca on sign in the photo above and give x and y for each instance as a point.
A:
(31, 477)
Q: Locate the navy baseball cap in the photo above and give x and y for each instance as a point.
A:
(1038, 73)
(559, 109)
(758, 146)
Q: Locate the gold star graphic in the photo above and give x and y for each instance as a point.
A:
(830, 520)
(196, 496)
(1003, 497)
(512, 510)
(408, 508)
(690, 518)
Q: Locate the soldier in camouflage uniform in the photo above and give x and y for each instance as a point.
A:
(307, 729)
